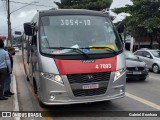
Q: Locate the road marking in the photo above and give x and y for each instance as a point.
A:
(15, 97)
(146, 102)
(154, 78)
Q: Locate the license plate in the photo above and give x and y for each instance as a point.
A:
(90, 86)
(137, 73)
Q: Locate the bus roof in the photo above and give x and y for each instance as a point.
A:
(72, 12)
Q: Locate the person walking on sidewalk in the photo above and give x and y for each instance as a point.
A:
(7, 91)
(4, 63)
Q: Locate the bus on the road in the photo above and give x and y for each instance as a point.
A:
(73, 56)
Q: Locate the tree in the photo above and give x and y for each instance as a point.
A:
(84, 4)
(144, 19)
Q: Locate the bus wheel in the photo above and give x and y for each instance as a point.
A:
(39, 100)
(41, 104)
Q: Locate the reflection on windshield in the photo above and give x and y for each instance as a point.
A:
(77, 32)
(129, 55)
(156, 53)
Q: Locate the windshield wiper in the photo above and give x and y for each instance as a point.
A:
(74, 49)
(98, 47)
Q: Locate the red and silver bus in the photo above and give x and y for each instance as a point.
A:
(74, 56)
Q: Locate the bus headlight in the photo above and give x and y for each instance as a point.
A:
(119, 73)
(51, 76)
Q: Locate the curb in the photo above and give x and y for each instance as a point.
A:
(15, 98)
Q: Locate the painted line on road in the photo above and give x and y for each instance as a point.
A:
(146, 102)
(154, 78)
(15, 98)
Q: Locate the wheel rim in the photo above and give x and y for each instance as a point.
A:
(155, 68)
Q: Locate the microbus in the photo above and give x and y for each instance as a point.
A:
(73, 56)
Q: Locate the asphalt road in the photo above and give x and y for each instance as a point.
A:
(140, 96)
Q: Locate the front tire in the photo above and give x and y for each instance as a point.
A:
(155, 68)
(41, 104)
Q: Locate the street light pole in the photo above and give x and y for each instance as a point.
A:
(9, 21)
(9, 24)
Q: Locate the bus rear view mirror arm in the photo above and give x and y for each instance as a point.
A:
(120, 27)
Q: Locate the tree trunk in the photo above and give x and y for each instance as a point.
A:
(156, 38)
(151, 42)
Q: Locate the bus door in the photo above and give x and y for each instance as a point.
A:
(34, 56)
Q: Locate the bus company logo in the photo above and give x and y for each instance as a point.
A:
(136, 68)
(90, 77)
(88, 61)
(6, 114)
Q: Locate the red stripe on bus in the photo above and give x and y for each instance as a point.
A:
(80, 66)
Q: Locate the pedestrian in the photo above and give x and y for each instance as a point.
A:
(4, 63)
(7, 91)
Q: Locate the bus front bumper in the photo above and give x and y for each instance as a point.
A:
(57, 94)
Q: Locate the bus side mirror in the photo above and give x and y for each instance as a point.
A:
(27, 29)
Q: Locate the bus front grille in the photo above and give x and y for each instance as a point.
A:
(84, 78)
(89, 92)
(135, 68)
(78, 80)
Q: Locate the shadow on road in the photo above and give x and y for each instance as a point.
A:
(136, 81)
(97, 109)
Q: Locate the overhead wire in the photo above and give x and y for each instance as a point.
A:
(31, 4)
(4, 8)
(17, 26)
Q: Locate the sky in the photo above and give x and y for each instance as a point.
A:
(118, 4)
(26, 14)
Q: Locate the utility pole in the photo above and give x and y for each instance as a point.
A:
(9, 21)
(9, 24)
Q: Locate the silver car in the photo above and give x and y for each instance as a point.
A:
(151, 58)
(136, 69)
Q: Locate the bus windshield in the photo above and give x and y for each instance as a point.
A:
(77, 31)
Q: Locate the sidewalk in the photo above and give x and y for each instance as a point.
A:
(12, 103)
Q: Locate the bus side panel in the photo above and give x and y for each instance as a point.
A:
(118, 85)
(25, 56)
(46, 65)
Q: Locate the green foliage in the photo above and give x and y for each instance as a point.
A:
(144, 17)
(84, 4)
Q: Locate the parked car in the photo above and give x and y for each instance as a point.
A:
(136, 69)
(151, 58)
(16, 49)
